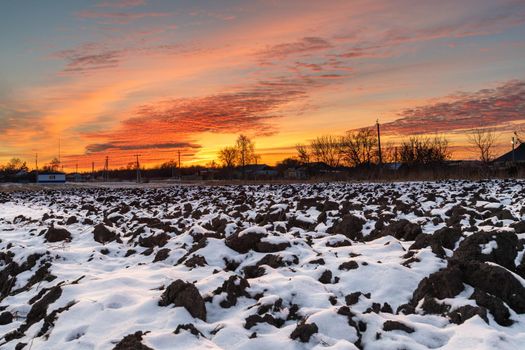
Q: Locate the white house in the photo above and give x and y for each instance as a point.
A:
(51, 178)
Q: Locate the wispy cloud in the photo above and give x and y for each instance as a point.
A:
(120, 4)
(302, 46)
(213, 14)
(124, 79)
(247, 110)
(464, 110)
(101, 147)
(253, 110)
(120, 17)
(89, 57)
(15, 118)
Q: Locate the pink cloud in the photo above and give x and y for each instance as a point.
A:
(464, 110)
(302, 46)
(120, 17)
(120, 4)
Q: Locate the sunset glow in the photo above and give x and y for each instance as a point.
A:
(151, 77)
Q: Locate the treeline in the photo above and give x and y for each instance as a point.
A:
(14, 170)
(361, 148)
(356, 154)
(240, 154)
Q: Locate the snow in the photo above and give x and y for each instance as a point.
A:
(254, 229)
(115, 295)
(489, 247)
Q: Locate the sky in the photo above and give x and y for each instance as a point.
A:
(119, 78)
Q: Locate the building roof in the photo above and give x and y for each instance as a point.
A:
(255, 167)
(51, 173)
(519, 154)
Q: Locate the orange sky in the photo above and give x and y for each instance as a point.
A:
(124, 77)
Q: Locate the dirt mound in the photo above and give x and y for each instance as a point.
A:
(56, 234)
(304, 332)
(158, 240)
(180, 293)
(5, 318)
(189, 327)
(389, 326)
(234, 287)
(103, 235)
(132, 342)
(246, 240)
(350, 226)
(253, 320)
(162, 255)
(496, 281)
(466, 312)
(402, 230)
(446, 283)
(497, 247)
(445, 237)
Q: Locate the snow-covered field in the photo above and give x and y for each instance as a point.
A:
(434, 265)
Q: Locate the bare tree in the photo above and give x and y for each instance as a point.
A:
(245, 151)
(518, 134)
(359, 147)
(327, 149)
(54, 164)
(212, 164)
(302, 153)
(390, 153)
(424, 150)
(440, 149)
(228, 156)
(483, 141)
(15, 165)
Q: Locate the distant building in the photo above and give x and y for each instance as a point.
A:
(519, 155)
(258, 171)
(320, 167)
(51, 178)
(392, 166)
(299, 173)
(76, 177)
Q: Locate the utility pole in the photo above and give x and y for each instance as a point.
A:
(180, 170)
(92, 171)
(379, 143)
(513, 152)
(36, 166)
(138, 168)
(59, 160)
(106, 168)
(243, 160)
